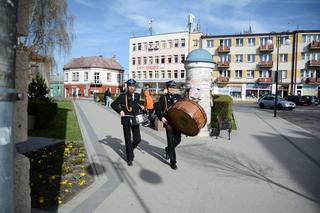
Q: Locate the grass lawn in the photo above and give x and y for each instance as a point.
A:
(64, 126)
(60, 171)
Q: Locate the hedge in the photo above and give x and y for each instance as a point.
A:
(222, 107)
(44, 112)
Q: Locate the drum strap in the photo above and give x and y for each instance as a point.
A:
(129, 109)
(166, 103)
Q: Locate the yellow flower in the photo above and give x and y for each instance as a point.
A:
(81, 182)
(59, 201)
(41, 199)
(67, 190)
(53, 177)
(70, 184)
(82, 174)
(83, 166)
(64, 182)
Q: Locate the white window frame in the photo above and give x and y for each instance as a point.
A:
(238, 73)
(250, 73)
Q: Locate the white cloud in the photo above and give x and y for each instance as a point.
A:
(88, 3)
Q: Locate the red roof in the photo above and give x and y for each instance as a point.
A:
(93, 62)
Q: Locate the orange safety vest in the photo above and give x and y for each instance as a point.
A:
(149, 102)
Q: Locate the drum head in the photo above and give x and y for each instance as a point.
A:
(183, 122)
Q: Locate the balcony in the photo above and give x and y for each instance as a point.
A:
(266, 48)
(223, 64)
(223, 49)
(223, 79)
(311, 80)
(96, 83)
(315, 45)
(313, 63)
(265, 80)
(265, 64)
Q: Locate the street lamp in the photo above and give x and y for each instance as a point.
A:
(287, 41)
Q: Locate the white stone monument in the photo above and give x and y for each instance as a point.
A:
(199, 65)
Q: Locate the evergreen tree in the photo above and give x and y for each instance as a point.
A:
(38, 89)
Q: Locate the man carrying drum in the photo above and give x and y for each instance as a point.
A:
(127, 105)
(173, 135)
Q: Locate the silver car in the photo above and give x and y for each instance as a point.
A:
(268, 101)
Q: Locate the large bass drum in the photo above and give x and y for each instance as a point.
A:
(187, 116)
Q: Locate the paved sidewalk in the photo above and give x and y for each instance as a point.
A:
(269, 165)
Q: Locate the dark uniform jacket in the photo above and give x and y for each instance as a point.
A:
(125, 102)
(164, 103)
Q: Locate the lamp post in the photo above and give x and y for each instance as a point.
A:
(278, 37)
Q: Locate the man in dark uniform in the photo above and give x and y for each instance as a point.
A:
(127, 105)
(173, 135)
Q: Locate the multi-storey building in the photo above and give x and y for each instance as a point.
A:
(85, 75)
(156, 59)
(246, 63)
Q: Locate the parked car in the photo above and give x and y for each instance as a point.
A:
(311, 100)
(268, 101)
(297, 99)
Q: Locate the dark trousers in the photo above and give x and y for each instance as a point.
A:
(130, 145)
(173, 139)
(151, 117)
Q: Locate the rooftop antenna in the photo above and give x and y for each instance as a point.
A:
(198, 26)
(150, 26)
(191, 23)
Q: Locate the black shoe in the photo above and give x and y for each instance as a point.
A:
(166, 154)
(173, 166)
(129, 163)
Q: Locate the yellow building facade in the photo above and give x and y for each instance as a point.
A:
(246, 63)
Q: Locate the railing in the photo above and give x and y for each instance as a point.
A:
(223, 49)
(266, 48)
(268, 80)
(311, 80)
(314, 45)
(223, 64)
(265, 64)
(223, 79)
(312, 63)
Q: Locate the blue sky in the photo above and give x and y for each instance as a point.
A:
(103, 27)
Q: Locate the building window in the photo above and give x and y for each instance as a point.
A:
(150, 75)
(283, 40)
(144, 60)
(133, 47)
(119, 79)
(133, 61)
(265, 40)
(284, 74)
(225, 42)
(139, 61)
(169, 59)
(251, 41)
(284, 57)
(239, 42)
(195, 43)
(96, 77)
(139, 74)
(310, 37)
(150, 60)
(250, 74)
(156, 59)
(156, 74)
(209, 43)
(266, 57)
(183, 42)
(163, 74)
(163, 44)
(66, 77)
(238, 73)
(224, 73)
(265, 73)
(133, 74)
(144, 74)
(169, 44)
(139, 46)
(176, 59)
(156, 45)
(162, 59)
(150, 45)
(169, 74)
(108, 76)
(175, 74)
(86, 76)
(225, 57)
(251, 58)
(145, 45)
(182, 58)
(182, 74)
(75, 76)
(239, 58)
(176, 43)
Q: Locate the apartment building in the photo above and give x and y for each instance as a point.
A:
(246, 63)
(155, 59)
(85, 75)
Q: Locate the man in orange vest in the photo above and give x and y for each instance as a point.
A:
(148, 105)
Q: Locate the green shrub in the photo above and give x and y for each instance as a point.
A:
(44, 112)
(222, 108)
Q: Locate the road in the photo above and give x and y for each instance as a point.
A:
(306, 117)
